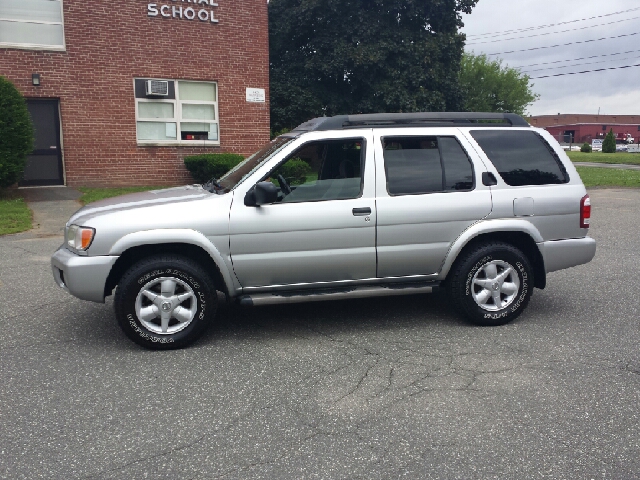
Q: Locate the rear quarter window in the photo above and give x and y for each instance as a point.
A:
(521, 157)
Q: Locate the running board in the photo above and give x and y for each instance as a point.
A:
(321, 295)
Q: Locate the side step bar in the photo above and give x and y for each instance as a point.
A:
(321, 295)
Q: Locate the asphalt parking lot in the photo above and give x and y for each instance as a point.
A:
(375, 388)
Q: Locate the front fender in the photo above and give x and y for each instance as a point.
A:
(192, 237)
(485, 227)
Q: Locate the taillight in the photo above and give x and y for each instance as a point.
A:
(585, 212)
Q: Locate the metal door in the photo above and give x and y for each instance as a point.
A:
(415, 232)
(44, 164)
(314, 242)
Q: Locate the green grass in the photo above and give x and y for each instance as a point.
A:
(599, 157)
(609, 177)
(15, 216)
(95, 194)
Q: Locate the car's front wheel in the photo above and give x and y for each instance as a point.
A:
(491, 284)
(165, 302)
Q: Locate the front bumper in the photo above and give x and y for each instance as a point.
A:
(82, 277)
(559, 254)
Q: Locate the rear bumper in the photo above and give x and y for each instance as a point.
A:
(82, 277)
(559, 254)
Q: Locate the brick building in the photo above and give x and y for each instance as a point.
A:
(579, 128)
(121, 91)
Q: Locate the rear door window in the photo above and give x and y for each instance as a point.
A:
(418, 165)
(521, 157)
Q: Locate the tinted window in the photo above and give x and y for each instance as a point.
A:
(457, 166)
(416, 165)
(521, 158)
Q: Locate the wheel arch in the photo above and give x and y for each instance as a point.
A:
(132, 253)
(524, 237)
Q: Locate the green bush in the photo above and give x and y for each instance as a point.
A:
(277, 133)
(16, 134)
(211, 165)
(609, 143)
(586, 148)
(295, 171)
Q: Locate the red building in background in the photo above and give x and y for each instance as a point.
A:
(120, 92)
(580, 128)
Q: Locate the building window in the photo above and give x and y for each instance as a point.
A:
(32, 24)
(186, 113)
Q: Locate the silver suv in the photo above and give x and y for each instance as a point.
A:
(341, 207)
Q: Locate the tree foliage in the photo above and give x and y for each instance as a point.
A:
(330, 57)
(487, 86)
(16, 134)
(609, 143)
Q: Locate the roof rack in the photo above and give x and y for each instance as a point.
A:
(420, 119)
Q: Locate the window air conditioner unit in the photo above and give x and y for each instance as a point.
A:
(157, 87)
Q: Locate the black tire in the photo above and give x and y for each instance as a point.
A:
(477, 266)
(188, 318)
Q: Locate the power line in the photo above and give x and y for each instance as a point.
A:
(576, 59)
(554, 33)
(576, 65)
(539, 27)
(565, 44)
(586, 71)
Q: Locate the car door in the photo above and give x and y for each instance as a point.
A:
(323, 229)
(429, 191)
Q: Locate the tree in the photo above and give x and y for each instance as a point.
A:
(330, 57)
(609, 143)
(16, 134)
(487, 86)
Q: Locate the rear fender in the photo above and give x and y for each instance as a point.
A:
(485, 227)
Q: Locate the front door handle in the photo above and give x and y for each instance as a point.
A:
(360, 212)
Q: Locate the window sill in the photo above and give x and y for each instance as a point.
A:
(189, 143)
(26, 46)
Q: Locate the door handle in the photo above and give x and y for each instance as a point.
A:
(360, 212)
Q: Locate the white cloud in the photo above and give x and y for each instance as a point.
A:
(613, 91)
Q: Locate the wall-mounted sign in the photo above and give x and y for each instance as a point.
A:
(185, 10)
(256, 95)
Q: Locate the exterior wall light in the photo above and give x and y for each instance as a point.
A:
(35, 79)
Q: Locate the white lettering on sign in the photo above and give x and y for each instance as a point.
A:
(256, 95)
(198, 9)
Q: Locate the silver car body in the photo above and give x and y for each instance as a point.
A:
(293, 246)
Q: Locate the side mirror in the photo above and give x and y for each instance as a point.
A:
(262, 193)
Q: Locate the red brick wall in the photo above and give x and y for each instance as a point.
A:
(111, 43)
(544, 121)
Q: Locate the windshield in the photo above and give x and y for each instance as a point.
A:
(234, 176)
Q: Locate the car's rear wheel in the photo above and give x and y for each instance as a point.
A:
(165, 302)
(491, 284)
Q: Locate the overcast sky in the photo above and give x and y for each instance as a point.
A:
(611, 91)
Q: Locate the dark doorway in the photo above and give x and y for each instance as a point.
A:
(569, 136)
(44, 165)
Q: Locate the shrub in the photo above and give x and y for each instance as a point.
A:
(211, 165)
(295, 171)
(16, 134)
(277, 133)
(586, 148)
(609, 143)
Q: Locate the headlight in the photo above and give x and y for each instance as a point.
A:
(79, 238)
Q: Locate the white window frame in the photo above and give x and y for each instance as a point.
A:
(36, 46)
(177, 116)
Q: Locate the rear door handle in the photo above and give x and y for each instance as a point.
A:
(359, 212)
